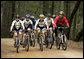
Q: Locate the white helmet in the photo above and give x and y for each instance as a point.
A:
(61, 12)
(32, 16)
(41, 15)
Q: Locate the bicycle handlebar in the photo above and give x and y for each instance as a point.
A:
(62, 27)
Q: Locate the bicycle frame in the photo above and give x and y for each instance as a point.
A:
(27, 36)
(41, 36)
(17, 39)
(32, 33)
(62, 35)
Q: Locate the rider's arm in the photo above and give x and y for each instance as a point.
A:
(36, 24)
(22, 24)
(67, 24)
(35, 20)
(31, 23)
(47, 25)
(55, 21)
(12, 25)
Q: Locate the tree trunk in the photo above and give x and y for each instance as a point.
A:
(79, 35)
(72, 15)
(5, 26)
(74, 27)
(52, 8)
(44, 8)
(13, 9)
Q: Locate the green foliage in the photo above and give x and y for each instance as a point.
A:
(9, 10)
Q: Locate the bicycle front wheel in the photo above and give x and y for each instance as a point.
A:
(41, 44)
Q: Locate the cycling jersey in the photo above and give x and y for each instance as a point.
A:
(27, 24)
(17, 25)
(59, 22)
(33, 23)
(49, 21)
(41, 23)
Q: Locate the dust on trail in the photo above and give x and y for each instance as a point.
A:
(74, 50)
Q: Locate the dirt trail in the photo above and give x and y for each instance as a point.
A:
(74, 50)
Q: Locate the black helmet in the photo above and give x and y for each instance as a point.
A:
(53, 16)
(48, 15)
(17, 16)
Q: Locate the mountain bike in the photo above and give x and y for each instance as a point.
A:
(17, 44)
(61, 38)
(40, 41)
(32, 39)
(26, 42)
(49, 41)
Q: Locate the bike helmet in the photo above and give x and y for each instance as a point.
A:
(28, 15)
(23, 18)
(48, 15)
(32, 16)
(53, 16)
(17, 16)
(41, 15)
(61, 12)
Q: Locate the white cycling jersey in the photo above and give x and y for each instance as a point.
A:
(17, 24)
(27, 23)
(41, 23)
(49, 21)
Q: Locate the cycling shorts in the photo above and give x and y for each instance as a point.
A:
(42, 28)
(15, 30)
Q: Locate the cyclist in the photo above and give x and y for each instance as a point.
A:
(28, 26)
(33, 20)
(59, 21)
(40, 24)
(53, 16)
(22, 18)
(50, 22)
(17, 25)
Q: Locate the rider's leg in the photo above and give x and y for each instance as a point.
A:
(24, 35)
(14, 36)
(51, 32)
(44, 32)
(61, 30)
(29, 31)
(56, 38)
(20, 34)
(56, 32)
(38, 29)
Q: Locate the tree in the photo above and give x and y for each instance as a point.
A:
(6, 18)
(72, 15)
(79, 35)
(52, 8)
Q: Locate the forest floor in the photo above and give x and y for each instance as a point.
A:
(74, 50)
